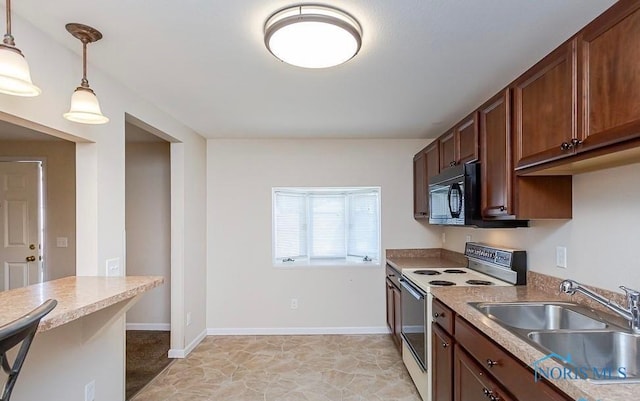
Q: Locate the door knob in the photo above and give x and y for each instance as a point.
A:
(30, 258)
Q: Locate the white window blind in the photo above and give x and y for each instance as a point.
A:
(364, 235)
(326, 225)
(290, 221)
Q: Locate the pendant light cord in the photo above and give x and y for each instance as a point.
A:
(8, 38)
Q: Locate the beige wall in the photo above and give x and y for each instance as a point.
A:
(60, 215)
(245, 293)
(602, 238)
(148, 226)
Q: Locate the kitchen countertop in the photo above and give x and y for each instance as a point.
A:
(416, 258)
(76, 296)
(457, 298)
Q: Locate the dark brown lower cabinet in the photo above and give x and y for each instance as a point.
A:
(394, 313)
(472, 383)
(442, 358)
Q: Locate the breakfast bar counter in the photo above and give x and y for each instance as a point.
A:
(77, 297)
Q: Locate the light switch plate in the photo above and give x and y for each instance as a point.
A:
(62, 242)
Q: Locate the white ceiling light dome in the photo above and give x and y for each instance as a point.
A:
(313, 36)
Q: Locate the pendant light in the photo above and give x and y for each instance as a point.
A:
(85, 108)
(312, 36)
(15, 78)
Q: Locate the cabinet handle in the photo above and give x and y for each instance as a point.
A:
(486, 391)
(494, 397)
(502, 208)
(445, 345)
(565, 146)
(491, 363)
(437, 315)
(453, 163)
(575, 142)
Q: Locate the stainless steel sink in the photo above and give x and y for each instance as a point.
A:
(597, 355)
(541, 315)
(590, 345)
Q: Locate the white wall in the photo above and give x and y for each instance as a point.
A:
(60, 200)
(601, 239)
(244, 292)
(148, 225)
(100, 182)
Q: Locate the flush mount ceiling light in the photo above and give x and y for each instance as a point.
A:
(15, 78)
(312, 36)
(85, 108)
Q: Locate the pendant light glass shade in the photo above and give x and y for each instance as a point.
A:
(15, 78)
(312, 36)
(85, 108)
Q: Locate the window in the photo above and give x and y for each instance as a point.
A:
(326, 226)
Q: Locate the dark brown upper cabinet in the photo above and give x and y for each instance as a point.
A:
(496, 167)
(545, 108)
(609, 73)
(420, 198)
(461, 144)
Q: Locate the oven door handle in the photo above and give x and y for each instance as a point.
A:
(417, 294)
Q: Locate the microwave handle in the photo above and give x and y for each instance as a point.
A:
(455, 213)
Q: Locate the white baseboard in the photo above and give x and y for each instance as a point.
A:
(182, 353)
(149, 326)
(270, 331)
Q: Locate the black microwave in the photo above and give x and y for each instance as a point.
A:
(454, 199)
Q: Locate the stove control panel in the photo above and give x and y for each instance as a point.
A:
(489, 254)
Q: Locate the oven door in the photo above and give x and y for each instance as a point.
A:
(413, 321)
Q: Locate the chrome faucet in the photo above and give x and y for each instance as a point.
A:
(631, 313)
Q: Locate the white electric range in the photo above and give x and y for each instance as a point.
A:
(487, 266)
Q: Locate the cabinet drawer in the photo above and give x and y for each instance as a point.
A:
(504, 367)
(441, 314)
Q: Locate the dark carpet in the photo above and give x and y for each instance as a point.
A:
(146, 357)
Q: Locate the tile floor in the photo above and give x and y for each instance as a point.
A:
(283, 368)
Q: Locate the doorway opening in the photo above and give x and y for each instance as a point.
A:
(37, 204)
(148, 253)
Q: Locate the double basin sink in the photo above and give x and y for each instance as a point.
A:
(590, 345)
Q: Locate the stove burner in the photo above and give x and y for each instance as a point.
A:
(479, 282)
(441, 282)
(427, 272)
(455, 271)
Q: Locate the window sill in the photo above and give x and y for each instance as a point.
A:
(349, 262)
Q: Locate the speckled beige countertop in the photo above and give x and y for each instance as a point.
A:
(457, 298)
(427, 258)
(76, 296)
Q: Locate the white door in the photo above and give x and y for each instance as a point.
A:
(20, 216)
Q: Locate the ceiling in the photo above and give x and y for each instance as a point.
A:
(424, 64)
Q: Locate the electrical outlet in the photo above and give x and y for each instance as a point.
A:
(467, 238)
(444, 238)
(188, 318)
(113, 267)
(561, 257)
(294, 303)
(90, 391)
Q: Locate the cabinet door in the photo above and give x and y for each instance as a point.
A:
(433, 160)
(390, 307)
(609, 52)
(472, 383)
(420, 198)
(442, 364)
(545, 108)
(466, 135)
(397, 316)
(447, 146)
(496, 167)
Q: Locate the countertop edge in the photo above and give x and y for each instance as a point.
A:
(77, 296)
